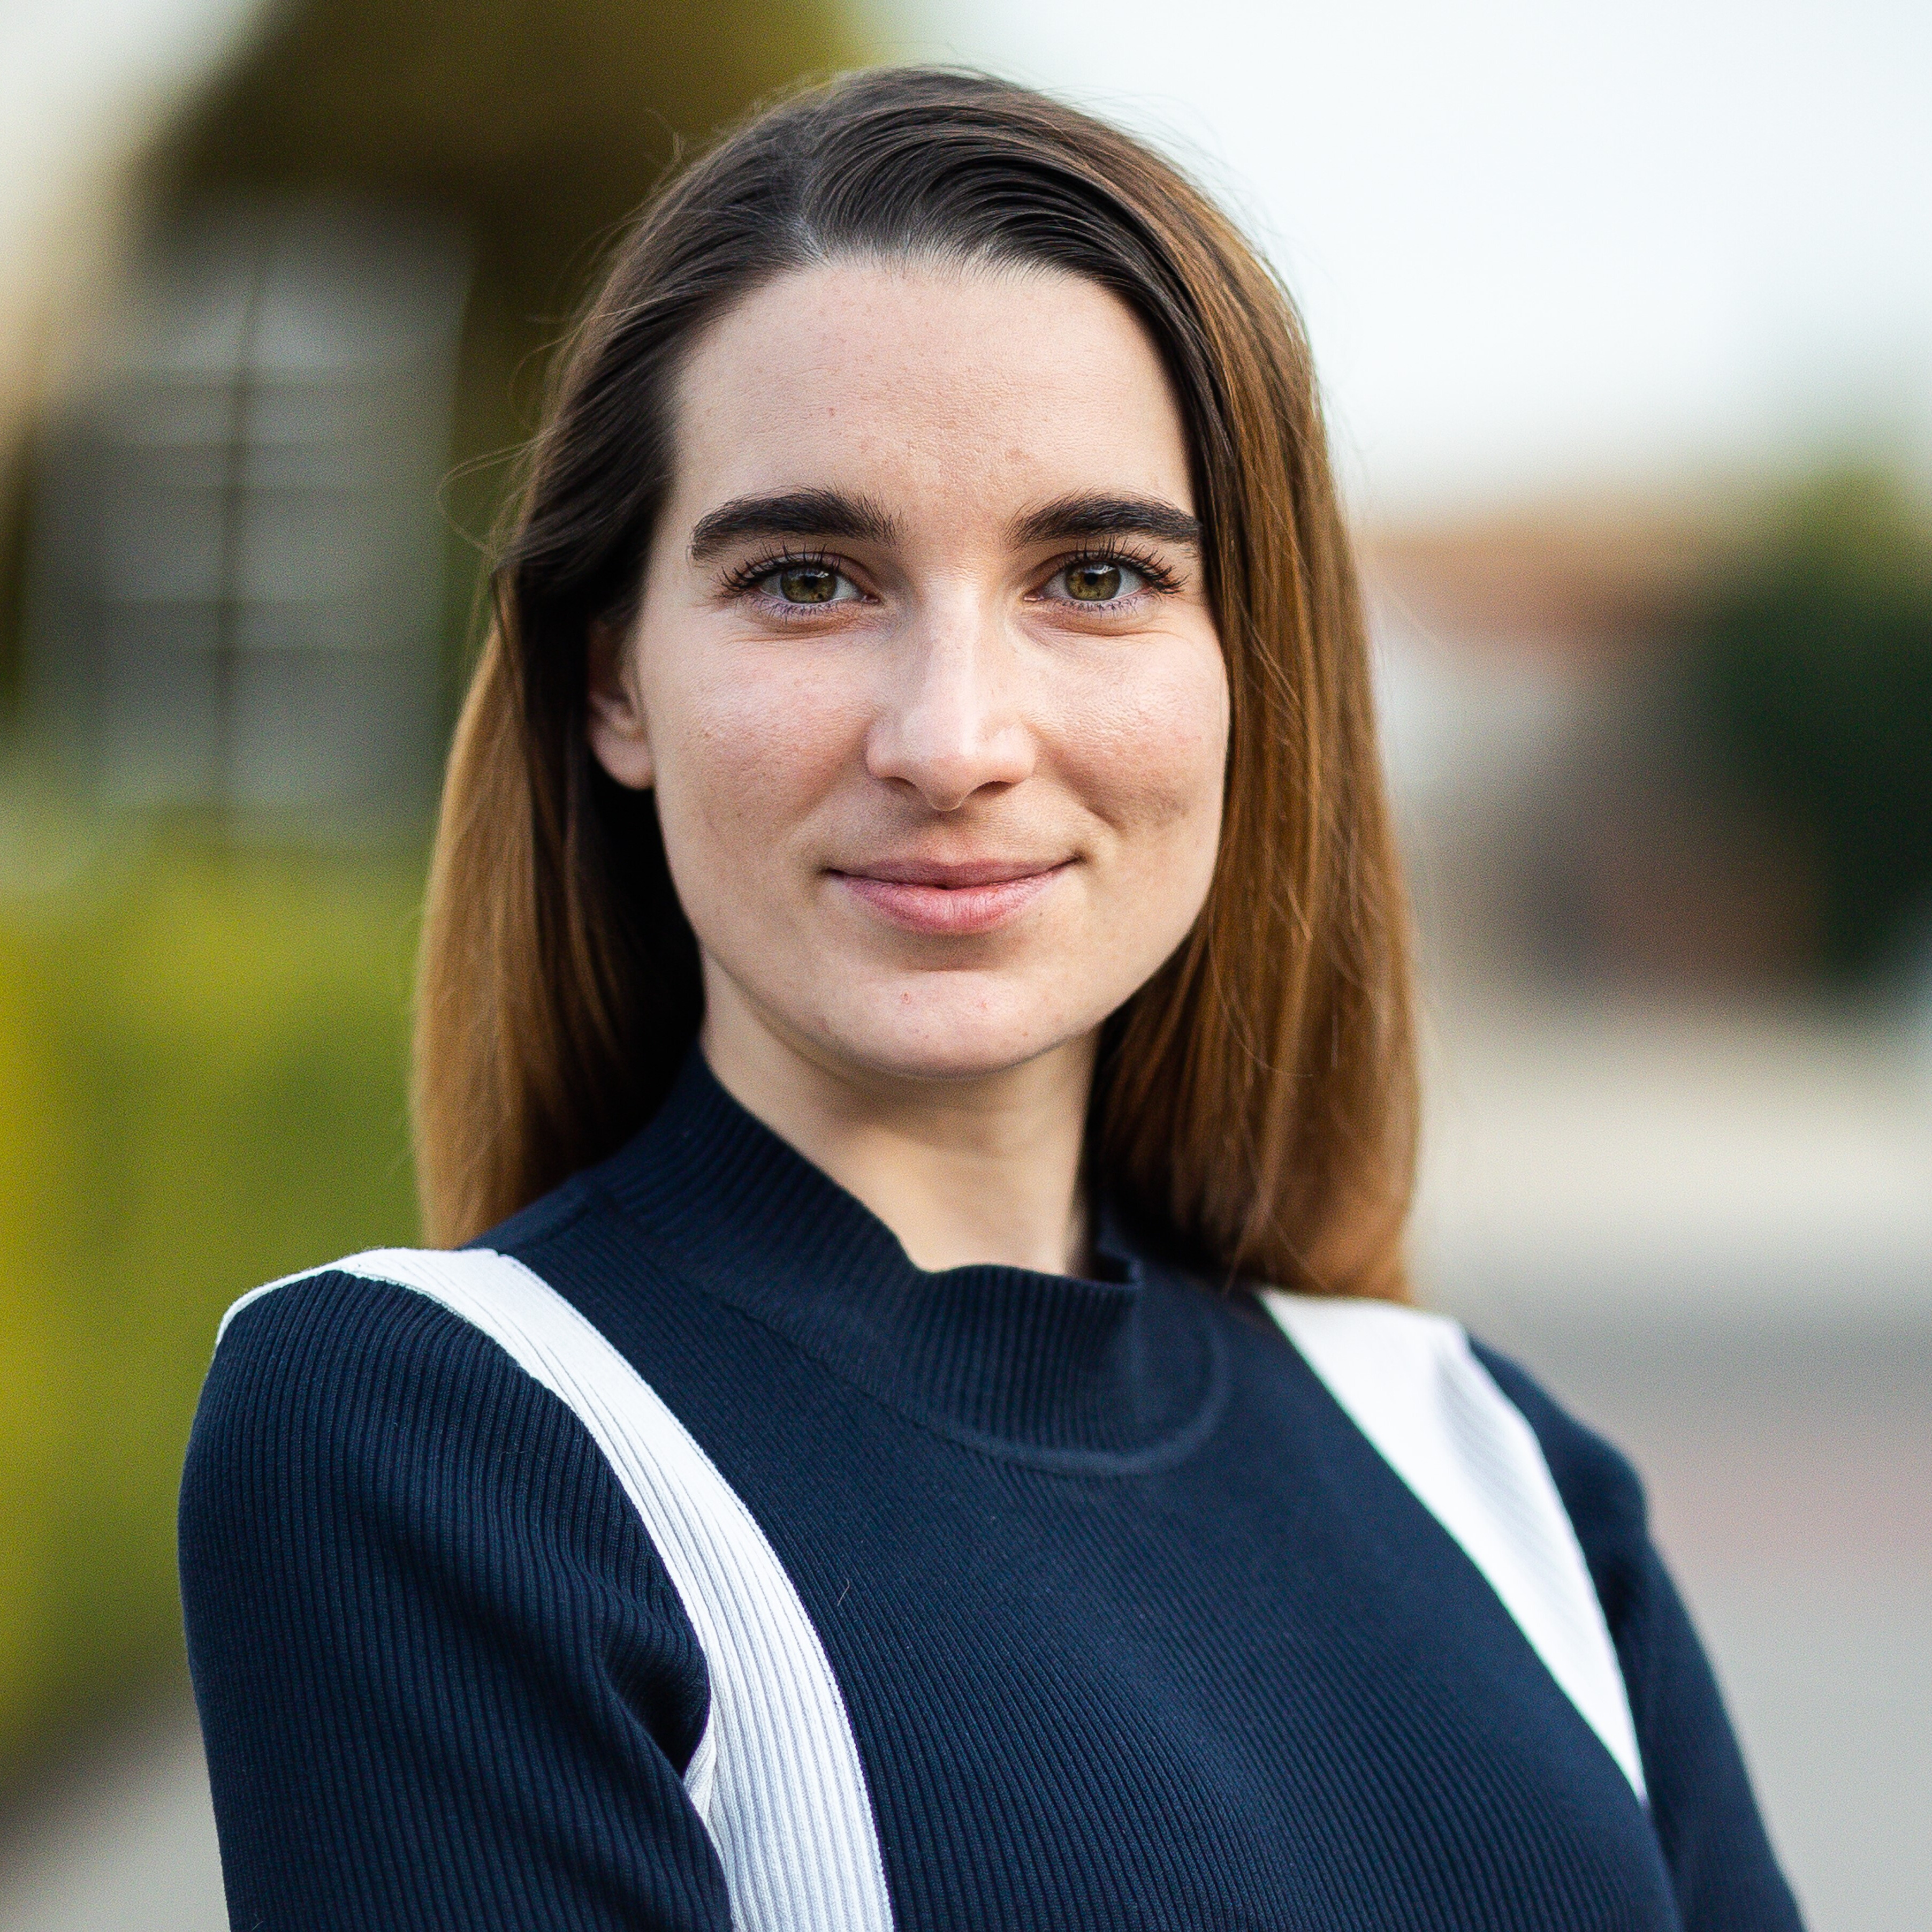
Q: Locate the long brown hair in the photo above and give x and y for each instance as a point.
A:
(1255, 1104)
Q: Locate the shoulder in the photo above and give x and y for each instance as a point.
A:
(1600, 1491)
(362, 1316)
(356, 1327)
(1397, 1357)
(355, 1428)
(381, 1323)
(360, 1386)
(1579, 1458)
(395, 1344)
(1433, 1399)
(1461, 1430)
(1392, 1353)
(1421, 1386)
(421, 1610)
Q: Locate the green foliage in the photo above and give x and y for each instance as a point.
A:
(203, 1057)
(1813, 673)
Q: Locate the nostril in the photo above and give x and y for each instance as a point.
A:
(946, 780)
(947, 767)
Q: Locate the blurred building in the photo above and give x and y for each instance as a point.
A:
(237, 566)
(1685, 741)
(244, 574)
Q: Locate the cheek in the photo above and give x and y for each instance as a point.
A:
(746, 755)
(1152, 750)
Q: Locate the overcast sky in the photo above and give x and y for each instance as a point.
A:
(1543, 245)
(1538, 244)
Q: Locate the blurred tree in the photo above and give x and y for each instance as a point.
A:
(1811, 672)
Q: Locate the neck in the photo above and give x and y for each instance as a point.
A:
(964, 1172)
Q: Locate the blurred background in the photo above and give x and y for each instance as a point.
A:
(1626, 321)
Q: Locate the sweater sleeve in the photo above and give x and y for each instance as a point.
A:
(1721, 1865)
(444, 1680)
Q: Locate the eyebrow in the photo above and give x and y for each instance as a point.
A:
(1069, 517)
(791, 513)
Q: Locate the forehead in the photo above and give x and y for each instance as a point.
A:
(964, 391)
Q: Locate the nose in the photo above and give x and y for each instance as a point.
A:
(952, 724)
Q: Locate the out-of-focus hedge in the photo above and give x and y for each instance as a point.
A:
(202, 1061)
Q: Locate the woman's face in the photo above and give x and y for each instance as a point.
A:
(924, 675)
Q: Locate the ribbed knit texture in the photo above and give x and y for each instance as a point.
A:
(1135, 1628)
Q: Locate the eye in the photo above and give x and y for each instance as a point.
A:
(1097, 580)
(806, 582)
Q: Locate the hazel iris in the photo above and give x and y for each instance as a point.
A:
(1094, 582)
(808, 584)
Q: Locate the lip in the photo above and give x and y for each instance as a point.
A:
(967, 897)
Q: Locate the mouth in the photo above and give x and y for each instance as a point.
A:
(972, 896)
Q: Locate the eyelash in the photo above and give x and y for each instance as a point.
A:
(1161, 581)
(749, 575)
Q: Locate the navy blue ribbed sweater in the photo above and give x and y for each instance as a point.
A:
(1134, 1627)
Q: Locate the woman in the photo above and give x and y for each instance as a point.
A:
(915, 953)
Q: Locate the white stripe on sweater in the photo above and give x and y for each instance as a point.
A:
(1410, 1382)
(776, 1777)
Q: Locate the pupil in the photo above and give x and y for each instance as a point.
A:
(1095, 583)
(807, 583)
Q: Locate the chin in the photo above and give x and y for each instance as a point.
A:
(973, 1038)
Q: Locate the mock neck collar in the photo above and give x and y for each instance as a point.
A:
(1062, 1368)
